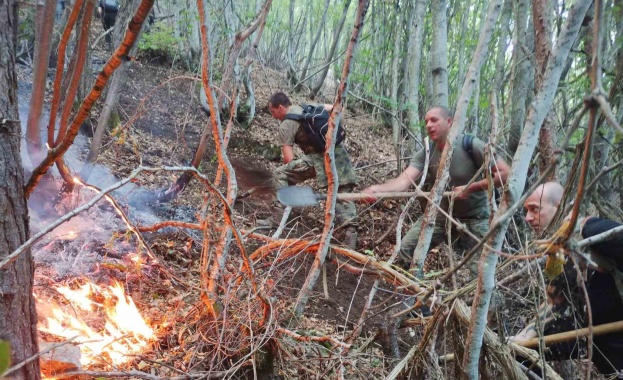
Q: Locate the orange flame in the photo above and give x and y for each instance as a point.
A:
(124, 333)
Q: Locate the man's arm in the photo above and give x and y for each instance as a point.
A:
(400, 183)
(500, 174)
(530, 331)
(287, 153)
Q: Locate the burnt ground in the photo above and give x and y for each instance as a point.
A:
(161, 124)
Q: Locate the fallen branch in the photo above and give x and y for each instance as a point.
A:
(309, 338)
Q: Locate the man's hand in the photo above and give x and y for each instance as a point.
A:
(370, 190)
(524, 335)
(461, 192)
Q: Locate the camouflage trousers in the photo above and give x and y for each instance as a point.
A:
(478, 226)
(312, 166)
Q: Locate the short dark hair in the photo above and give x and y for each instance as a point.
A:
(279, 99)
(445, 111)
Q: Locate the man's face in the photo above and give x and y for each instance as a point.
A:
(278, 112)
(437, 126)
(539, 210)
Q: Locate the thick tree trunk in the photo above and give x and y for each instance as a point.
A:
(18, 317)
(439, 53)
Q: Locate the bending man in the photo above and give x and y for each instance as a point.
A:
(470, 206)
(310, 165)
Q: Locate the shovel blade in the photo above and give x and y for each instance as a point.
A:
(297, 196)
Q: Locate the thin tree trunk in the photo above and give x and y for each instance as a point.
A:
(336, 39)
(542, 18)
(249, 108)
(416, 39)
(516, 181)
(18, 317)
(218, 255)
(313, 43)
(520, 76)
(40, 73)
(292, 76)
(396, 108)
(329, 163)
(439, 53)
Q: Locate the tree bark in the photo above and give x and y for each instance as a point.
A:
(439, 53)
(18, 317)
(516, 181)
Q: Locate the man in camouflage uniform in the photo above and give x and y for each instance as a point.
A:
(565, 308)
(310, 165)
(470, 204)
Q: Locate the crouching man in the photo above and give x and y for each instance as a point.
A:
(310, 165)
(566, 309)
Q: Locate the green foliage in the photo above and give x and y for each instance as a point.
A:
(5, 356)
(159, 41)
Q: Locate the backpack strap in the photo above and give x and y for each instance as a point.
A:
(468, 145)
(293, 116)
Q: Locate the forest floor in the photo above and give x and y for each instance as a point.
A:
(166, 122)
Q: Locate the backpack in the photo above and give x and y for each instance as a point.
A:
(316, 123)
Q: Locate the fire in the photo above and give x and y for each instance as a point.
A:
(113, 338)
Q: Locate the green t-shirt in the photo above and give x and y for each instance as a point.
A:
(462, 169)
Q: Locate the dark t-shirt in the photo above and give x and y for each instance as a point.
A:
(462, 169)
(605, 300)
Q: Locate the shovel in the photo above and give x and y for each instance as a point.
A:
(302, 196)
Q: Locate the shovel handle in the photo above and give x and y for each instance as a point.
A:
(358, 196)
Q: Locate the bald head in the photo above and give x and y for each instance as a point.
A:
(541, 205)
